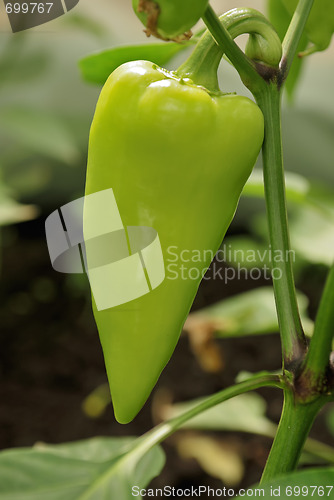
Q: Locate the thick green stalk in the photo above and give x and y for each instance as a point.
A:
(202, 65)
(294, 427)
(293, 34)
(317, 359)
(297, 416)
(292, 337)
(244, 65)
(268, 98)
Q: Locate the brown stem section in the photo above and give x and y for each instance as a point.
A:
(152, 10)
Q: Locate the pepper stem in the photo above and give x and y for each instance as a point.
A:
(292, 336)
(264, 45)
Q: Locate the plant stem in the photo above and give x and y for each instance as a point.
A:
(293, 34)
(298, 415)
(202, 65)
(162, 431)
(268, 97)
(295, 424)
(317, 358)
(245, 66)
(292, 337)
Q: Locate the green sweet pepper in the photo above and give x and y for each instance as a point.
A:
(176, 152)
(177, 159)
(169, 19)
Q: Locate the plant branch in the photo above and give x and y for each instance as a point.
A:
(263, 46)
(317, 359)
(292, 336)
(162, 431)
(293, 35)
(294, 427)
(245, 66)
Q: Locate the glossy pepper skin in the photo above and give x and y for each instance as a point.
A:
(177, 159)
(169, 19)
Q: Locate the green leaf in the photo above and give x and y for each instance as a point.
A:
(95, 404)
(312, 235)
(85, 23)
(310, 483)
(94, 469)
(246, 252)
(309, 125)
(311, 209)
(244, 413)
(40, 132)
(315, 218)
(96, 68)
(330, 420)
(30, 178)
(17, 59)
(241, 315)
(320, 24)
(281, 18)
(11, 211)
(297, 186)
(214, 456)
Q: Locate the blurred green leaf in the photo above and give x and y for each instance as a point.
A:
(312, 235)
(320, 24)
(330, 420)
(41, 132)
(297, 186)
(11, 211)
(244, 413)
(19, 64)
(280, 18)
(246, 252)
(96, 68)
(25, 69)
(94, 469)
(95, 404)
(310, 483)
(308, 136)
(84, 23)
(29, 177)
(214, 457)
(311, 208)
(249, 313)
(240, 247)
